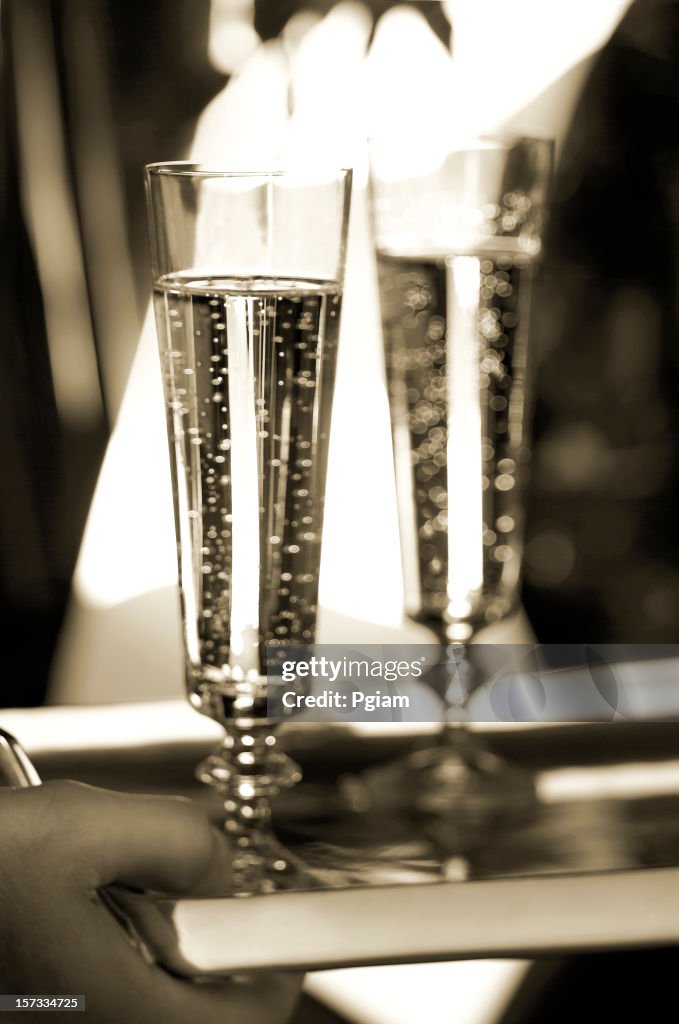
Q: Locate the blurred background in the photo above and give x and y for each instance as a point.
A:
(93, 89)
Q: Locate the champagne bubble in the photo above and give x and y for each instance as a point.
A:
(290, 321)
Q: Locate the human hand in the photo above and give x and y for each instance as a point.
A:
(62, 842)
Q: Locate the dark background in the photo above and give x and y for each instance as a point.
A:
(602, 555)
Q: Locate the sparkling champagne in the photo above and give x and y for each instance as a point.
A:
(455, 343)
(248, 367)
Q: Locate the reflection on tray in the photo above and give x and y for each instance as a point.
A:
(605, 796)
(518, 838)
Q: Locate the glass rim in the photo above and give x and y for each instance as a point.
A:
(194, 169)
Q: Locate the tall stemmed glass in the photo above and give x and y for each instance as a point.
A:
(457, 242)
(247, 271)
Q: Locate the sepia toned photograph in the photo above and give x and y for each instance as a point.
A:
(339, 569)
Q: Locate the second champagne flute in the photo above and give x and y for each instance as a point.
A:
(458, 235)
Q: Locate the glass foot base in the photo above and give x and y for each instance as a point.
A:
(456, 792)
(262, 865)
(464, 791)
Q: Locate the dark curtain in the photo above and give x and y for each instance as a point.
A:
(156, 81)
(602, 555)
(46, 470)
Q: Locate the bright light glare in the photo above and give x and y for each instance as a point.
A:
(232, 34)
(129, 543)
(610, 782)
(407, 86)
(506, 55)
(478, 990)
(465, 466)
(245, 492)
(244, 125)
(326, 127)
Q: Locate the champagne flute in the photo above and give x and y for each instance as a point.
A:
(458, 238)
(247, 270)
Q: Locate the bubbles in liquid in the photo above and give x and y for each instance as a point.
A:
(287, 333)
(414, 295)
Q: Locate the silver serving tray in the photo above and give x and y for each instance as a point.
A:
(591, 862)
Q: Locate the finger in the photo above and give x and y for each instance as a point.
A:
(165, 844)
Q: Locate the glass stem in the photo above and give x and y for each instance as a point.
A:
(458, 676)
(252, 784)
(460, 683)
(248, 772)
